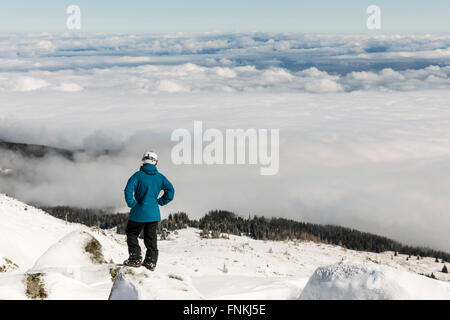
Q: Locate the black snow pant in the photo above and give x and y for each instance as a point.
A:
(133, 231)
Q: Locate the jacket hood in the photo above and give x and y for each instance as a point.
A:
(149, 169)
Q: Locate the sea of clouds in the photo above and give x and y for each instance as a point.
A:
(364, 122)
(223, 62)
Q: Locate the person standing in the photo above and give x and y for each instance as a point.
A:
(141, 195)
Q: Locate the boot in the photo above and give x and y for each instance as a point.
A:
(149, 264)
(133, 261)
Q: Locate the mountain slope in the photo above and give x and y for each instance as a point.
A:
(45, 252)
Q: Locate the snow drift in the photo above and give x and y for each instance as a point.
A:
(342, 281)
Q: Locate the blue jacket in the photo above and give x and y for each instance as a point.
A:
(146, 184)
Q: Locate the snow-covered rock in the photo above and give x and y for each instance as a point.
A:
(371, 282)
(123, 289)
(141, 284)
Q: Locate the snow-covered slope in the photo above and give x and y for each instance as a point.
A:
(26, 233)
(51, 254)
(37, 243)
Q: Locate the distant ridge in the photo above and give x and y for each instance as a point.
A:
(40, 151)
(35, 150)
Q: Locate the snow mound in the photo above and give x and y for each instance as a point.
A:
(74, 268)
(71, 252)
(342, 281)
(141, 284)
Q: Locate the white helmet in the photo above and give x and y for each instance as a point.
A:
(150, 157)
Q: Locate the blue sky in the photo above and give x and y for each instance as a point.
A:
(137, 16)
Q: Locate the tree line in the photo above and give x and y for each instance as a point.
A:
(259, 228)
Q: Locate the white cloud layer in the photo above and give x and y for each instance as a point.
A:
(195, 78)
(224, 62)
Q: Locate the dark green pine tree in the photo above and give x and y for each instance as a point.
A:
(444, 269)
